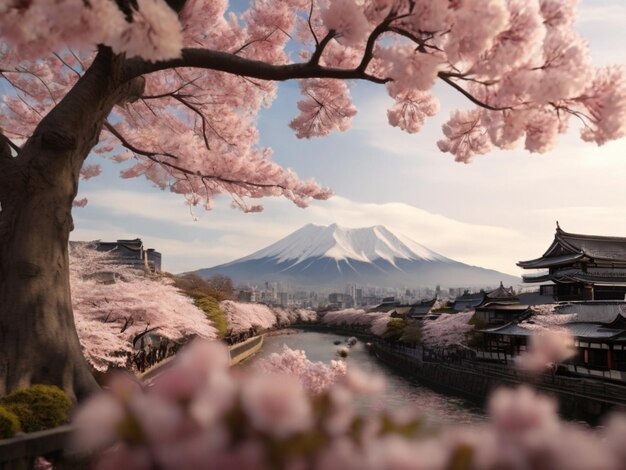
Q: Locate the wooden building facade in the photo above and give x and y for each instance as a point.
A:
(580, 267)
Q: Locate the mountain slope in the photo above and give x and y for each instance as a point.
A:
(320, 256)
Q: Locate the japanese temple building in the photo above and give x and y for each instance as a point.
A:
(599, 331)
(581, 267)
(416, 311)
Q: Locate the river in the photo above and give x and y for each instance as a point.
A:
(399, 392)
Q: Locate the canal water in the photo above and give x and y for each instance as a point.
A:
(399, 392)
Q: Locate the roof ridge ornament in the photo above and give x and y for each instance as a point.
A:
(558, 227)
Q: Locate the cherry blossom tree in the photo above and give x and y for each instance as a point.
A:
(111, 315)
(448, 329)
(316, 377)
(373, 322)
(173, 88)
(243, 317)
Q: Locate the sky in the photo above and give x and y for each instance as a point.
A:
(493, 212)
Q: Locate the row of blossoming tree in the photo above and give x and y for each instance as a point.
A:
(173, 88)
(116, 305)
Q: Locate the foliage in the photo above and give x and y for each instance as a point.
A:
(546, 349)
(314, 376)
(372, 322)
(476, 339)
(38, 407)
(109, 316)
(521, 63)
(449, 329)
(395, 329)
(9, 423)
(214, 314)
(412, 333)
(218, 287)
(243, 317)
(202, 414)
(550, 344)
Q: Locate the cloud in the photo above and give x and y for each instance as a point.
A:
(223, 234)
(602, 12)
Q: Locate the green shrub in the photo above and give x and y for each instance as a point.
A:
(24, 413)
(9, 423)
(38, 407)
(412, 333)
(395, 329)
(214, 313)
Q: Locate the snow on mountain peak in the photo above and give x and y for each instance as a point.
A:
(341, 243)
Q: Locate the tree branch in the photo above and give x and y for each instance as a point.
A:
(383, 27)
(5, 141)
(311, 25)
(152, 156)
(134, 149)
(229, 63)
(444, 76)
(319, 49)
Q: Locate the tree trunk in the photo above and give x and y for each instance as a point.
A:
(38, 339)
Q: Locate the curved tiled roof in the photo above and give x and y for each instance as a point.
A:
(570, 247)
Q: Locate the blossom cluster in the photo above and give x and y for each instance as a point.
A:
(520, 61)
(448, 329)
(150, 29)
(113, 304)
(200, 414)
(243, 317)
(546, 348)
(374, 322)
(550, 344)
(314, 376)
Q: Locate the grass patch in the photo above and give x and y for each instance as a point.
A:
(212, 310)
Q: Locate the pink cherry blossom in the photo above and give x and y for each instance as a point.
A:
(314, 376)
(347, 19)
(245, 316)
(448, 329)
(465, 136)
(326, 107)
(268, 421)
(277, 404)
(546, 348)
(113, 303)
(375, 322)
(520, 61)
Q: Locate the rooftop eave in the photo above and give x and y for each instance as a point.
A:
(549, 262)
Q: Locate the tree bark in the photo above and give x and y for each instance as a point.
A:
(38, 339)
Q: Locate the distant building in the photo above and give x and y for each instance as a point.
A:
(416, 311)
(387, 304)
(581, 267)
(469, 300)
(132, 253)
(244, 295)
(338, 300)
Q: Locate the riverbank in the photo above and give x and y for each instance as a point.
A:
(579, 399)
(241, 351)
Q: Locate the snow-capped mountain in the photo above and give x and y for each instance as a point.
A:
(325, 256)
